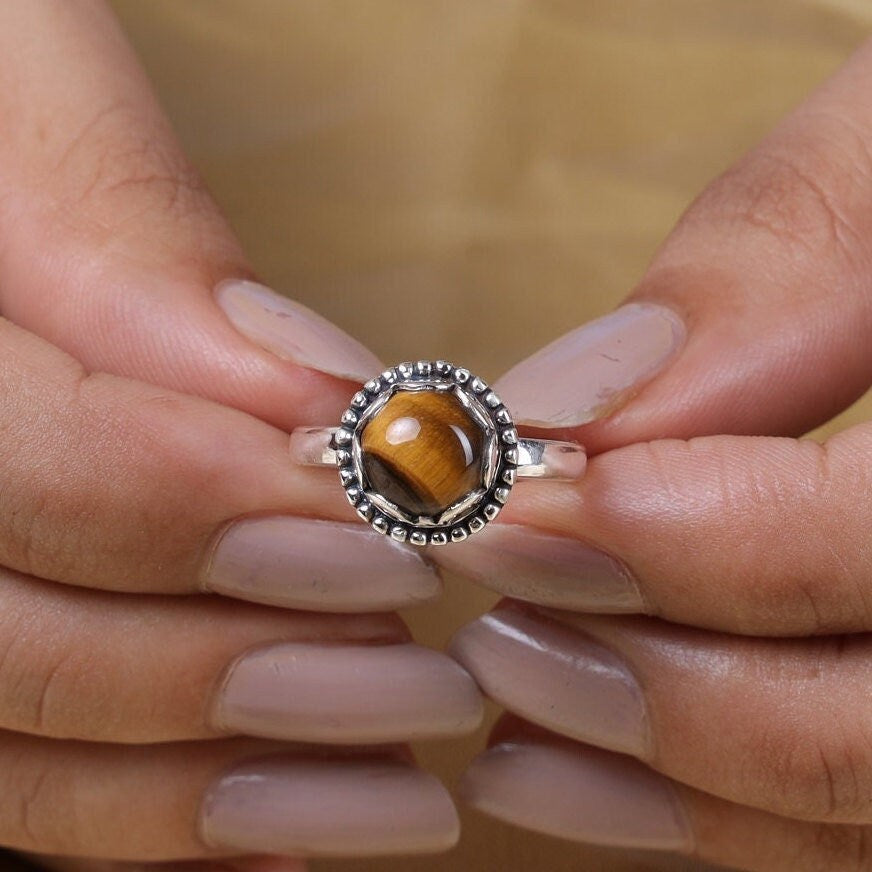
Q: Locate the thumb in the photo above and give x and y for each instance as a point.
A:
(232, 864)
(755, 317)
(111, 248)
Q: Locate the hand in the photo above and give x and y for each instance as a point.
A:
(144, 464)
(741, 684)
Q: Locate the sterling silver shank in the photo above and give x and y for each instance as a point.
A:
(537, 458)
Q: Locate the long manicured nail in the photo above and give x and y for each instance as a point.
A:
(329, 808)
(555, 676)
(306, 563)
(531, 565)
(347, 694)
(578, 792)
(593, 370)
(293, 331)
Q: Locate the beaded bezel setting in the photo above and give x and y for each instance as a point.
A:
(499, 460)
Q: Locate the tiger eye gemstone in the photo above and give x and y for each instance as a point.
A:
(422, 451)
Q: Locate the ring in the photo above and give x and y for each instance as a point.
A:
(428, 453)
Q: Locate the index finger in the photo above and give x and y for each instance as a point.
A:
(755, 316)
(115, 484)
(113, 249)
(755, 320)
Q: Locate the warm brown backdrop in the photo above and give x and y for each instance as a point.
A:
(468, 179)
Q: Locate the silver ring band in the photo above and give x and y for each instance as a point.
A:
(537, 458)
(427, 453)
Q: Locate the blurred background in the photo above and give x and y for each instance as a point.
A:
(424, 173)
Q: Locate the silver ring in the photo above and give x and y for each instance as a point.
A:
(428, 453)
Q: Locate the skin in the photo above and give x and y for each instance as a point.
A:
(95, 195)
(750, 546)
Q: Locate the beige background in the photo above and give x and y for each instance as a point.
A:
(425, 173)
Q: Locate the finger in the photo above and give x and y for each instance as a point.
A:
(103, 667)
(755, 316)
(750, 535)
(183, 801)
(112, 247)
(110, 483)
(778, 724)
(242, 864)
(547, 784)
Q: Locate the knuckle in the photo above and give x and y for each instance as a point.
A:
(820, 778)
(816, 604)
(61, 675)
(30, 540)
(800, 195)
(64, 695)
(824, 586)
(29, 817)
(34, 680)
(795, 203)
(115, 167)
(55, 525)
(664, 462)
(42, 511)
(33, 821)
(841, 847)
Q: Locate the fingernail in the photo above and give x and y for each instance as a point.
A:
(531, 565)
(592, 371)
(347, 694)
(329, 808)
(307, 563)
(293, 331)
(580, 793)
(555, 676)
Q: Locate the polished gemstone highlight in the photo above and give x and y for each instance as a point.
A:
(423, 451)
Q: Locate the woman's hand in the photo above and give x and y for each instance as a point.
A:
(745, 692)
(143, 464)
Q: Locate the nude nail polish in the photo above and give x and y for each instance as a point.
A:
(361, 694)
(530, 564)
(293, 331)
(323, 807)
(308, 563)
(555, 676)
(592, 371)
(578, 792)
